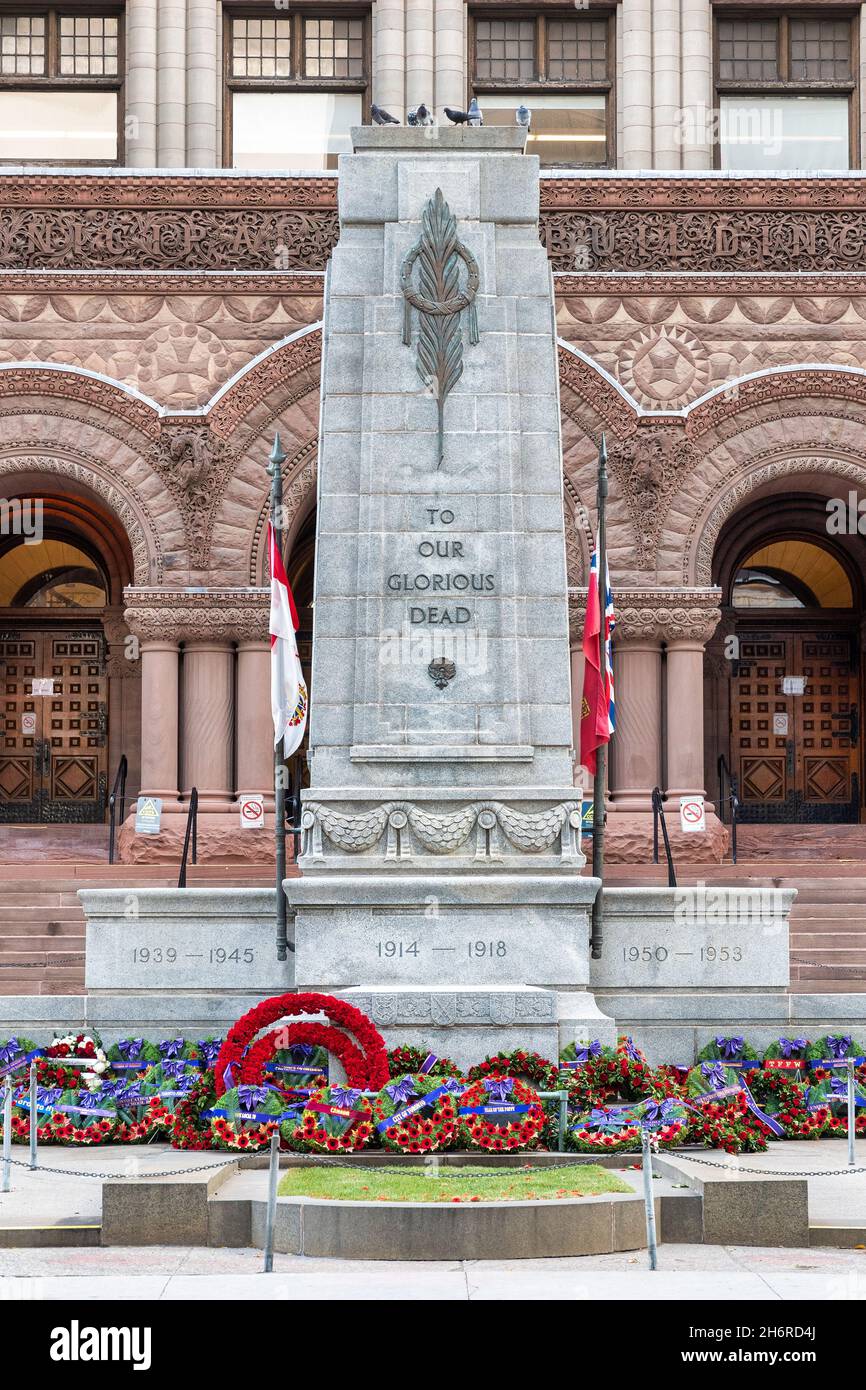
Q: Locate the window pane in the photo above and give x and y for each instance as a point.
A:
(766, 133)
(52, 126)
(505, 50)
(88, 45)
(292, 130)
(565, 130)
(748, 50)
(577, 50)
(261, 47)
(22, 45)
(821, 50)
(334, 47)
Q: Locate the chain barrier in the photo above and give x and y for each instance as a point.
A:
(769, 1172)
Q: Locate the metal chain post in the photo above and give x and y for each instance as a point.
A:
(34, 1119)
(649, 1201)
(7, 1136)
(852, 1114)
(273, 1177)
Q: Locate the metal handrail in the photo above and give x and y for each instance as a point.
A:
(118, 794)
(733, 798)
(659, 815)
(190, 838)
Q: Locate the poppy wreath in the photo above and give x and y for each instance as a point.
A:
(70, 1060)
(188, 1127)
(787, 1054)
(836, 1126)
(634, 1078)
(346, 1016)
(46, 1100)
(588, 1072)
(132, 1057)
(174, 1050)
(727, 1123)
(831, 1093)
(170, 1082)
(205, 1051)
(828, 1056)
(257, 1064)
(500, 1113)
(417, 1113)
(672, 1078)
(785, 1098)
(299, 1068)
(405, 1059)
(610, 1128)
(141, 1112)
(733, 1051)
(245, 1117)
(525, 1066)
(84, 1118)
(335, 1119)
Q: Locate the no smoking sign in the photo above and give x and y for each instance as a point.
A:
(252, 812)
(692, 816)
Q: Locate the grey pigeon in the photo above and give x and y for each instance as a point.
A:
(412, 115)
(423, 116)
(381, 116)
(456, 117)
(474, 115)
(523, 115)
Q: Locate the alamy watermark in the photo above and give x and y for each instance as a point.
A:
(22, 516)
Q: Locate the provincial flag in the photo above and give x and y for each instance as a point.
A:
(289, 700)
(598, 708)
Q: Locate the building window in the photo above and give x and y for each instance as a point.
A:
(60, 87)
(561, 68)
(785, 85)
(295, 85)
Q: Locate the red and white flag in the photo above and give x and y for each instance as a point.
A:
(289, 700)
(598, 707)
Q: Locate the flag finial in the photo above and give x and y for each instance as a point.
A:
(277, 455)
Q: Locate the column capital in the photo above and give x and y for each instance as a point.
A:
(657, 614)
(195, 616)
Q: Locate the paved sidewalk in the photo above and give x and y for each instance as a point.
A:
(707, 1273)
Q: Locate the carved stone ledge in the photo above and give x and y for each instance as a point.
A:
(215, 615)
(668, 615)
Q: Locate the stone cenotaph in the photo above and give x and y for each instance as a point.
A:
(441, 888)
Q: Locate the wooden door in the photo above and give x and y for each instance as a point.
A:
(794, 741)
(53, 746)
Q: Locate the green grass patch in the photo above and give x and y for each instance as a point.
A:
(470, 1184)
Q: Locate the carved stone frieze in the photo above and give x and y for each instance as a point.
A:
(657, 614)
(214, 615)
(395, 832)
(196, 465)
(649, 466)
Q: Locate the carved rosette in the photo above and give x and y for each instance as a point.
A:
(215, 615)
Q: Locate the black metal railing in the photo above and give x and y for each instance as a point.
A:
(659, 815)
(190, 839)
(732, 799)
(117, 799)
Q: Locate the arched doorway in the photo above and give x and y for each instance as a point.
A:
(793, 600)
(63, 563)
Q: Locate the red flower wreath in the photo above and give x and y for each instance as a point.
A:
(346, 1016)
(514, 1131)
(335, 1119)
(317, 1035)
(529, 1066)
(417, 1113)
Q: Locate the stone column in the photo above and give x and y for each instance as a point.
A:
(202, 145)
(685, 719)
(124, 702)
(140, 96)
(697, 84)
(389, 77)
(419, 53)
(171, 84)
(208, 722)
(159, 713)
(636, 91)
(450, 55)
(666, 83)
(636, 744)
(255, 741)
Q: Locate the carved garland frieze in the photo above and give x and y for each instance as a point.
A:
(406, 827)
(656, 614)
(216, 615)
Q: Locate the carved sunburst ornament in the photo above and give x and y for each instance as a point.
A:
(665, 367)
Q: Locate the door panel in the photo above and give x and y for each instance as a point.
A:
(796, 755)
(54, 771)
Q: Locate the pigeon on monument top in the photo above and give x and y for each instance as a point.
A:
(423, 116)
(381, 116)
(412, 115)
(456, 117)
(523, 115)
(474, 113)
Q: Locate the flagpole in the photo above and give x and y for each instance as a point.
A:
(275, 470)
(600, 779)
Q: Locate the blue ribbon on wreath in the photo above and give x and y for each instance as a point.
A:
(607, 1119)
(499, 1087)
(630, 1050)
(428, 1064)
(839, 1047)
(170, 1047)
(20, 1061)
(839, 1090)
(400, 1115)
(789, 1045)
(714, 1072)
(659, 1113)
(251, 1096)
(130, 1048)
(730, 1047)
(401, 1090)
(174, 1070)
(10, 1050)
(345, 1097)
(209, 1049)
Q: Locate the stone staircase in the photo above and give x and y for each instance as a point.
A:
(42, 921)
